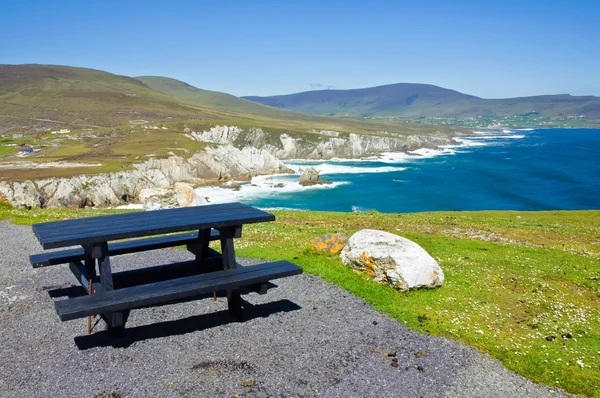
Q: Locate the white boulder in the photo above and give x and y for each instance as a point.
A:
(184, 194)
(157, 198)
(392, 259)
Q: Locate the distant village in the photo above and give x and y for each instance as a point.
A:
(25, 148)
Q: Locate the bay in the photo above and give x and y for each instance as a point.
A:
(541, 169)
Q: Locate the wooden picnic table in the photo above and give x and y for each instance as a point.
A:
(113, 294)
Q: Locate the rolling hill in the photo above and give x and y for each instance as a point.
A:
(81, 95)
(410, 100)
(214, 99)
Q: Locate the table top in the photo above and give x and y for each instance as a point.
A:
(131, 225)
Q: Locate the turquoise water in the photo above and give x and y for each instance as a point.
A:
(545, 169)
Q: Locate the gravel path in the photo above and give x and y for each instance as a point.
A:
(305, 338)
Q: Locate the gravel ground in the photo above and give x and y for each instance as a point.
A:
(304, 338)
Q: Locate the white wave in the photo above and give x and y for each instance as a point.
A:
(467, 142)
(331, 168)
(498, 133)
(432, 153)
(497, 137)
(305, 162)
(359, 209)
(260, 187)
(131, 206)
(279, 208)
(510, 137)
(483, 140)
(363, 159)
(421, 153)
(328, 168)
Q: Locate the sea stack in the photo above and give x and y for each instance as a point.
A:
(310, 176)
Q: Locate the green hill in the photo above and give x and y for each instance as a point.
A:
(214, 99)
(79, 95)
(409, 100)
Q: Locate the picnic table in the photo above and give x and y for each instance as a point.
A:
(113, 294)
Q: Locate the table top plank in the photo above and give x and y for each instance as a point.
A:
(131, 225)
(107, 227)
(158, 218)
(88, 223)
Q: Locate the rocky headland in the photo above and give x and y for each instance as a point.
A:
(231, 153)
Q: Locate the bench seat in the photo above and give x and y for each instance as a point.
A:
(117, 248)
(171, 290)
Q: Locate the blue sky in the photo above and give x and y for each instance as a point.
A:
(488, 48)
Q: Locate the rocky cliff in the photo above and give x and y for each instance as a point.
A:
(318, 144)
(113, 189)
(233, 153)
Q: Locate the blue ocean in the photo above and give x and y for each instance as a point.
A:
(524, 169)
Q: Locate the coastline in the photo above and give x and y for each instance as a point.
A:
(269, 186)
(259, 186)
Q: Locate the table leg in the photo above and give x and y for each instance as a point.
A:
(115, 320)
(201, 249)
(203, 254)
(90, 268)
(234, 300)
(100, 252)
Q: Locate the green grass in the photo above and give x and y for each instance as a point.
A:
(8, 150)
(521, 286)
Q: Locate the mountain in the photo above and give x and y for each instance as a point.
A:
(410, 100)
(213, 99)
(85, 96)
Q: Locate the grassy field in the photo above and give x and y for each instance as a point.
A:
(521, 286)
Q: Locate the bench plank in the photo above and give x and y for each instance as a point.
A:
(118, 248)
(171, 290)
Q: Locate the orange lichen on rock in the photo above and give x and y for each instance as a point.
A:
(330, 243)
(369, 264)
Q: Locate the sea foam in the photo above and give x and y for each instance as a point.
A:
(326, 168)
(260, 187)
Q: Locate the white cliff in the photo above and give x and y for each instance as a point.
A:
(154, 175)
(318, 144)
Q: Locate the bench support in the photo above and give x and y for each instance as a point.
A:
(98, 255)
(234, 300)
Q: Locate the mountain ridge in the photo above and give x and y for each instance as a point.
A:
(417, 100)
(186, 92)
